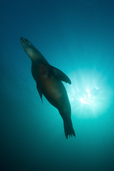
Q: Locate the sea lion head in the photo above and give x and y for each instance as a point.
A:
(29, 48)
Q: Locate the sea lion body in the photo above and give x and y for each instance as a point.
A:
(48, 80)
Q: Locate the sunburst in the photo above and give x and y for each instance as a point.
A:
(89, 95)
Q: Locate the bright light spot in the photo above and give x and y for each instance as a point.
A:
(89, 93)
(83, 101)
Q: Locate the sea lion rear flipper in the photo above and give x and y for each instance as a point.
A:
(60, 75)
(40, 92)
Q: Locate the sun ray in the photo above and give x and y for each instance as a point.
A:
(90, 94)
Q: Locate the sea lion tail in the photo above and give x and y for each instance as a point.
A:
(68, 129)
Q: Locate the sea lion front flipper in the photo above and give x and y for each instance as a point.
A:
(60, 75)
(40, 92)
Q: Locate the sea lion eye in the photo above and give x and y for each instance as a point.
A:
(28, 41)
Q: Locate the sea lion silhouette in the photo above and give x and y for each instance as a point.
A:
(48, 80)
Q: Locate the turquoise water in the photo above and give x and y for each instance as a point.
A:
(78, 38)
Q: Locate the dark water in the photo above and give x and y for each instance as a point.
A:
(78, 38)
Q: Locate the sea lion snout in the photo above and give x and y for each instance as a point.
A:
(21, 38)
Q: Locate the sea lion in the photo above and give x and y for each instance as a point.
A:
(48, 81)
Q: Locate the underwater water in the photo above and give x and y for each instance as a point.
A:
(76, 36)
